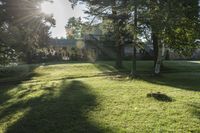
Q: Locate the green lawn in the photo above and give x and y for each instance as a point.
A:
(91, 98)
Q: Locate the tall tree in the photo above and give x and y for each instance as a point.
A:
(25, 24)
(114, 10)
(172, 23)
(74, 28)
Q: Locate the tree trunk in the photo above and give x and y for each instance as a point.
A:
(155, 47)
(119, 63)
(160, 57)
(119, 48)
(28, 57)
(118, 43)
(134, 58)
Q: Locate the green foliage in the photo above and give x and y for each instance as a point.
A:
(164, 18)
(24, 27)
(174, 22)
(74, 28)
(7, 55)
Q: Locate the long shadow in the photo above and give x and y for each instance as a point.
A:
(11, 77)
(66, 113)
(3, 95)
(16, 75)
(186, 81)
(179, 74)
(175, 75)
(195, 109)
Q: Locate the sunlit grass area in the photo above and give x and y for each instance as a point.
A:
(85, 97)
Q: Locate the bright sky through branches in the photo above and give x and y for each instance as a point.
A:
(62, 11)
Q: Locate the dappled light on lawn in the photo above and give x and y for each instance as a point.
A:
(99, 66)
(86, 97)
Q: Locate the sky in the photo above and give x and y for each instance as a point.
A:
(62, 11)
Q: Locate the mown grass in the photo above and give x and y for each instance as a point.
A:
(92, 98)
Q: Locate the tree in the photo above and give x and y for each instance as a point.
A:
(24, 27)
(172, 23)
(183, 26)
(74, 28)
(113, 10)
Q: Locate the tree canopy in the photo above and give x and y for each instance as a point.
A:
(24, 28)
(167, 23)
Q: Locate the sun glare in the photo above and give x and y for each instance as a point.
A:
(61, 11)
(46, 8)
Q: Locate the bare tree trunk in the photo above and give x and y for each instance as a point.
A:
(134, 58)
(118, 43)
(119, 63)
(161, 53)
(155, 47)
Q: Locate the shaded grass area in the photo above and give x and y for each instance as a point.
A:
(84, 97)
(17, 74)
(179, 74)
(53, 110)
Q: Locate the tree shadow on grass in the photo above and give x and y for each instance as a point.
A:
(185, 81)
(179, 74)
(3, 96)
(11, 76)
(195, 109)
(184, 78)
(65, 113)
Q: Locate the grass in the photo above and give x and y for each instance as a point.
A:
(92, 98)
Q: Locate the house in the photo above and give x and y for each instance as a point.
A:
(68, 48)
(93, 47)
